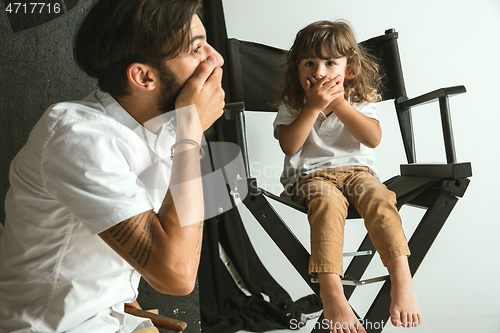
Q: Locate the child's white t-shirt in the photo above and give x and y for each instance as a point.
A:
(329, 145)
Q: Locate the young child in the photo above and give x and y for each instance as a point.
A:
(327, 126)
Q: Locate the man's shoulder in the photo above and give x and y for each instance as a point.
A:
(78, 122)
(89, 113)
(73, 111)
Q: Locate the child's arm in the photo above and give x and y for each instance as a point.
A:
(365, 129)
(293, 136)
(319, 96)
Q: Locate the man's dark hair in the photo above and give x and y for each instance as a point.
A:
(117, 33)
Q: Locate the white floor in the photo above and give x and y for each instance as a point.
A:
(308, 328)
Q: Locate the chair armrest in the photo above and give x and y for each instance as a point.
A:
(231, 108)
(446, 171)
(403, 106)
(430, 97)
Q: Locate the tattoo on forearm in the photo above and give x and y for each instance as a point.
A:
(125, 232)
(200, 238)
(112, 244)
(144, 244)
(165, 208)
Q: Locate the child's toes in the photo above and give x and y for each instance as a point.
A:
(396, 318)
(417, 319)
(405, 319)
(409, 320)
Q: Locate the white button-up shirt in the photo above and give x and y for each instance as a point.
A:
(78, 174)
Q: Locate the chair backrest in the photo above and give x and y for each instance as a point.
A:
(385, 49)
(256, 73)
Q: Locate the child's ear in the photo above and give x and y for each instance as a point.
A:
(349, 72)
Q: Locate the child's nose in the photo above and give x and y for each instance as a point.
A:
(318, 73)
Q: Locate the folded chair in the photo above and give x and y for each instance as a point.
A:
(255, 73)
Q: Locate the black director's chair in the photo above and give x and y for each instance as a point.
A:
(255, 73)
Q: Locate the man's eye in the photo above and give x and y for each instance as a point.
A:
(197, 50)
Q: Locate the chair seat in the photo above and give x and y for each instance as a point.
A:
(405, 187)
(286, 200)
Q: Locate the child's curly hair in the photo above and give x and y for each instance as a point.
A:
(338, 38)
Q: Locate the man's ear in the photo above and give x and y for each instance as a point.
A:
(142, 76)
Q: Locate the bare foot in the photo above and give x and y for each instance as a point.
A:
(338, 314)
(404, 308)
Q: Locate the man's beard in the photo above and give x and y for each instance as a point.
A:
(170, 88)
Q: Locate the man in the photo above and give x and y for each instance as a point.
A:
(105, 189)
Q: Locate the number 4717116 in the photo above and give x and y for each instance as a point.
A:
(33, 8)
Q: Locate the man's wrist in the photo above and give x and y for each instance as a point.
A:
(188, 124)
(175, 147)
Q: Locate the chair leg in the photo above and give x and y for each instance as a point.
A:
(420, 243)
(359, 264)
(439, 201)
(277, 229)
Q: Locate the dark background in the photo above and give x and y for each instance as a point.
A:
(37, 70)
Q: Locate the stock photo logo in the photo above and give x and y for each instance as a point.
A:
(29, 14)
(150, 158)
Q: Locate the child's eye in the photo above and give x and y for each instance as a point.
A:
(330, 63)
(308, 64)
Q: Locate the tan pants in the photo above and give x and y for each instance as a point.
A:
(327, 194)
